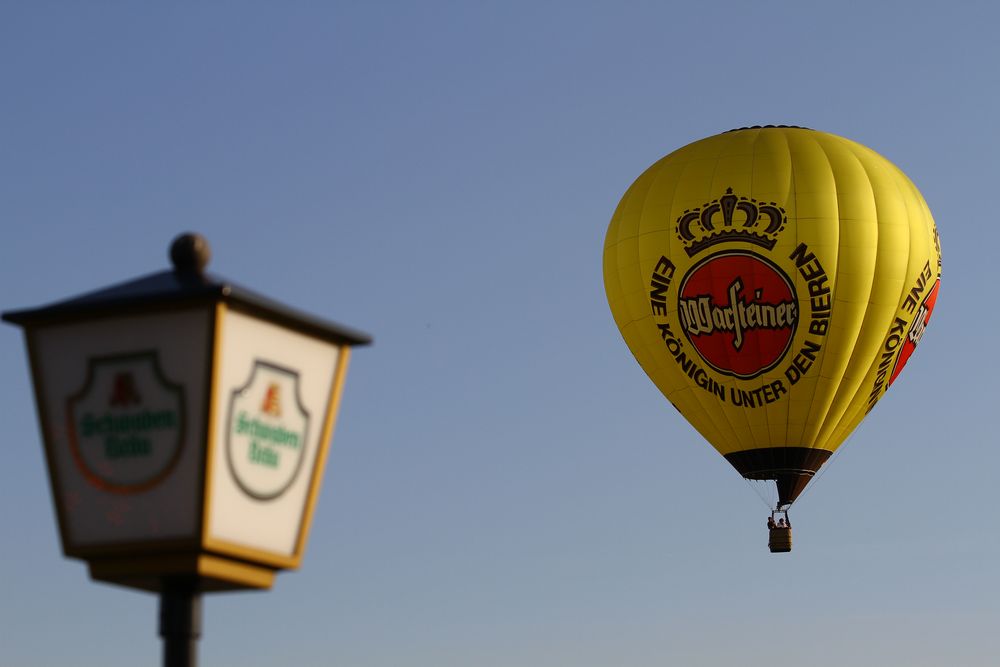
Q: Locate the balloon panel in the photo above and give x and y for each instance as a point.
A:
(772, 282)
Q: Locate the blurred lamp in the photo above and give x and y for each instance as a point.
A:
(186, 423)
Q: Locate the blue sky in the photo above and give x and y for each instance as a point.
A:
(505, 487)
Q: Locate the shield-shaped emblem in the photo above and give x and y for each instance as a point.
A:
(126, 424)
(266, 431)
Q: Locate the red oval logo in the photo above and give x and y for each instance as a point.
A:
(739, 311)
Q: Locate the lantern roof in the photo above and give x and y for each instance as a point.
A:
(186, 284)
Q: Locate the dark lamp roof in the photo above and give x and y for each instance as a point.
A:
(183, 287)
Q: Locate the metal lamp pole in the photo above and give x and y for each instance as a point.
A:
(180, 622)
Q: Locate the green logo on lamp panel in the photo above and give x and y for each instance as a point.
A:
(266, 431)
(126, 424)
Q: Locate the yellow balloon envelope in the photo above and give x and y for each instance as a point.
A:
(772, 282)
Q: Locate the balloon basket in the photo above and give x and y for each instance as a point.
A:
(780, 540)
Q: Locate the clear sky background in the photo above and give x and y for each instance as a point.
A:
(506, 487)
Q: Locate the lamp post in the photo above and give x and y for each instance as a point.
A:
(186, 422)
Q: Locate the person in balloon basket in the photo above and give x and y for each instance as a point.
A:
(782, 523)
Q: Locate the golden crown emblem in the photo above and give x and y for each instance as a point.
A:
(742, 219)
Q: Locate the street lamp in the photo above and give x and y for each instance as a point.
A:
(186, 423)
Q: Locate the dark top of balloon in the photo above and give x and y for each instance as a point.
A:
(758, 127)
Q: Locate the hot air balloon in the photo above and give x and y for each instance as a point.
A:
(772, 282)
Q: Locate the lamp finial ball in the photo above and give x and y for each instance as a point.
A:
(190, 253)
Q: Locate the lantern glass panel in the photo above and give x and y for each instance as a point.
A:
(271, 407)
(122, 408)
